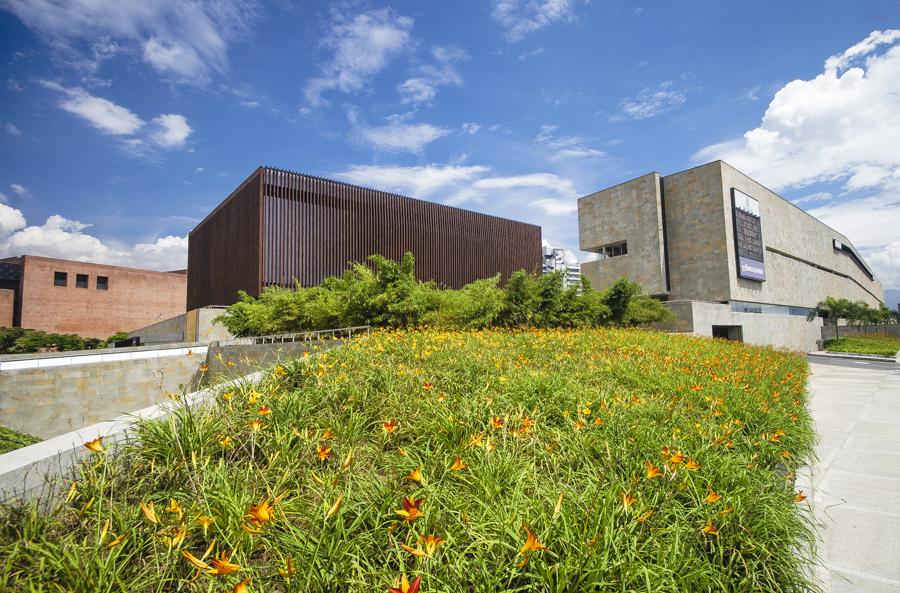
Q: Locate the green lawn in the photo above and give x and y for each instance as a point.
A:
(542, 460)
(10, 440)
(870, 344)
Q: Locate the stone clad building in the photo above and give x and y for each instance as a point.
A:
(730, 257)
(91, 300)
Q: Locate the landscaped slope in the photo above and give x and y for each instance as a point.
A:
(485, 461)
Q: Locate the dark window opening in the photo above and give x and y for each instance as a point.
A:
(728, 332)
(102, 282)
(81, 280)
(60, 278)
(614, 250)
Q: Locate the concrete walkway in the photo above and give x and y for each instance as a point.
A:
(855, 485)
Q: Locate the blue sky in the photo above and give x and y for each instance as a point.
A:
(122, 123)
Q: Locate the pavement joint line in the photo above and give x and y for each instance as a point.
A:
(866, 575)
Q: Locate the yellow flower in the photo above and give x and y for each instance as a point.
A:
(261, 513)
(800, 497)
(652, 471)
(336, 506)
(458, 464)
(411, 509)
(390, 426)
(678, 457)
(264, 411)
(628, 499)
(403, 585)
(194, 560)
(414, 476)
(288, 571)
(256, 425)
(149, 512)
(117, 541)
(225, 442)
(711, 496)
(691, 465)
(222, 566)
(496, 422)
(95, 446)
(427, 386)
(644, 517)
(242, 586)
(323, 452)
(205, 522)
(710, 529)
(431, 543)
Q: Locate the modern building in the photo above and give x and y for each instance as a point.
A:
(730, 257)
(557, 259)
(279, 227)
(91, 300)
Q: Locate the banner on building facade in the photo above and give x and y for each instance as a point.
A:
(748, 241)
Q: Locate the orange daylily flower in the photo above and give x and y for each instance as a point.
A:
(174, 507)
(628, 499)
(117, 541)
(225, 442)
(264, 411)
(402, 585)
(149, 512)
(726, 511)
(256, 425)
(458, 464)
(205, 522)
(414, 476)
(598, 421)
(652, 471)
(95, 446)
(496, 423)
(390, 426)
(800, 497)
(710, 529)
(431, 543)
(645, 516)
(477, 440)
(427, 386)
(691, 465)
(327, 435)
(242, 586)
(323, 452)
(204, 367)
(677, 457)
(411, 509)
(262, 513)
(194, 560)
(222, 566)
(288, 571)
(532, 544)
(711, 496)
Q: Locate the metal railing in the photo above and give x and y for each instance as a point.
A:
(309, 336)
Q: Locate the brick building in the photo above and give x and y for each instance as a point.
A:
(279, 227)
(91, 300)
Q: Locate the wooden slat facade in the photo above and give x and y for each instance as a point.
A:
(280, 226)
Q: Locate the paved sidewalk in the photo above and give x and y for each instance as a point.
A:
(855, 489)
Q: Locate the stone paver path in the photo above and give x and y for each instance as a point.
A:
(855, 485)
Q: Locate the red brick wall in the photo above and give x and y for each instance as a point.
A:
(135, 298)
(7, 300)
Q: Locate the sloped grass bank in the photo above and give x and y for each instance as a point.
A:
(10, 440)
(476, 461)
(880, 345)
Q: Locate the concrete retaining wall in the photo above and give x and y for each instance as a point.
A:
(247, 358)
(196, 325)
(50, 394)
(37, 471)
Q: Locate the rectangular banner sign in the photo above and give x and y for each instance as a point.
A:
(748, 236)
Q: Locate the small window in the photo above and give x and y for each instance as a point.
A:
(81, 280)
(614, 250)
(102, 282)
(60, 278)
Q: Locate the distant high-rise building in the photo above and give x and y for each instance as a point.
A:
(558, 259)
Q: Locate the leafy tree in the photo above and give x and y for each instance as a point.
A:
(617, 298)
(522, 300)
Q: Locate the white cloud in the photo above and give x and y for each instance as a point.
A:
(424, 181)
(885, 261)
(550, 193)
(250, 104)
(184, 40)
(168, 130)
(527, 55)
(471, 128)
(199, 170)
(172, 130)
(398, 136)
(361, 47)
(12, 129)
(565, 147)
(423, 87)
(19, 190)
(175, 58)
(650, 102)
(841, 128)
(519, 18)
(65, 238)
(103, 114)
